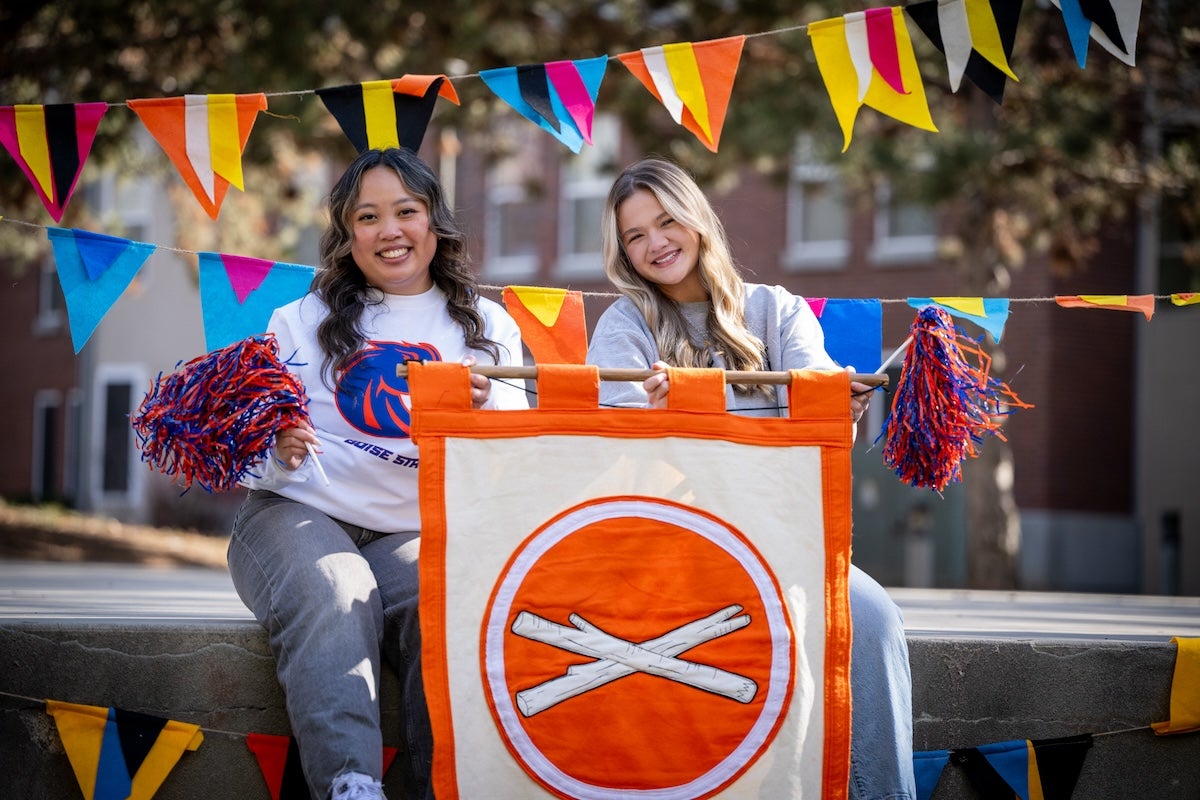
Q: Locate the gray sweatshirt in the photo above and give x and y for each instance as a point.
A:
(784, 322)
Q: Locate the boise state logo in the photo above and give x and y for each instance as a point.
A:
(371, 397)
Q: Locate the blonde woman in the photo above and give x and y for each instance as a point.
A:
(685, 304)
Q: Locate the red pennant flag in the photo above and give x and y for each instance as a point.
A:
(204, 136)
(50, 144)
(279, 759)
(551, 322)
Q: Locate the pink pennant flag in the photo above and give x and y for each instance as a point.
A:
(574, 94)
(245, 273)
(881, 40)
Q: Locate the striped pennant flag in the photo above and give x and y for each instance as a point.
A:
(866, 57)
(50, 144)
(1112, 23)
(989, 313)
(204, 136)
(692, 80)
(376, 115)
(279, 760)
(1121, 302)
(551, 322)
(120, 754)
(558, 96)
(976, 37)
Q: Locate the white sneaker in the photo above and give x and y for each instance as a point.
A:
(356, 786)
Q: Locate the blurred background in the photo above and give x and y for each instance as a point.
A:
(1083, 181)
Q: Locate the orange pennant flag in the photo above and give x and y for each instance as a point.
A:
(551, 322)
(692, 80)
(1185, 690)
(1121, 302)
(204, 136)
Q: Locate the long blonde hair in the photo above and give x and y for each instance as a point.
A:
(684, 202)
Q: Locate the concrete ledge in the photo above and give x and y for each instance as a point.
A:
(197, 656)
(220, 676)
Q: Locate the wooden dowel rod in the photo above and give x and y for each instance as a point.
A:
(731, 376)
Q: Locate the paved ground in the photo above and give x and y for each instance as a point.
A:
(112, 592)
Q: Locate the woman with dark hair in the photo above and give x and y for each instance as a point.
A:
(685, 304)
(330, 569)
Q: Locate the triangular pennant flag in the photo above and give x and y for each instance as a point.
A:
(1010, 760)
(976, 37)
(881, 44)
(692, 80)
(279, 760)
(1056, 764)
(204, 136)
(95, 737)
(817, 304)
(238, 294)
(928, 766)
(1185, 690)
(1122, 302)
(559, 97)
(76, 254)
(1178, 299)
(989, 313)
(50, 144)
(835, 42)
(990, 767)
(853, 331)
(578, 84)
(551, 322)
(1113, 24)
(376, 115)
(535, 91)
(137, 734)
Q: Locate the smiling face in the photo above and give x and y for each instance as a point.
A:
(393, 243)
(661, 249)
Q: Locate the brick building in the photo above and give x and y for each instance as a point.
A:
(1101, 473)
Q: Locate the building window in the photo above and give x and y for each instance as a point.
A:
(586, 179)
(906, 227)
(114, 480)
(514, 213)
(47, 444)
(118, 400)
(818, 216)
(52, 304)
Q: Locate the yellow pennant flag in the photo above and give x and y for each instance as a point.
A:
(835, 43)
(117, 753)
(1185, 690)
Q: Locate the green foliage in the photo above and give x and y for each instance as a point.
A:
(1063, 153)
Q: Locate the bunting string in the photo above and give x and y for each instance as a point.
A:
(865, 58)
(496, 288)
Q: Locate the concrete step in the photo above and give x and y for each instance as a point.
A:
(987, 667)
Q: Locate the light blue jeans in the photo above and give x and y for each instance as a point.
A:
(881, 759)
(333, 597)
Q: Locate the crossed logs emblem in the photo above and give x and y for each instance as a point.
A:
(617, 657)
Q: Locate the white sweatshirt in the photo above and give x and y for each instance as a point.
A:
(366, 448)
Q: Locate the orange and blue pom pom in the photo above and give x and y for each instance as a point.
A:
(944, 405)
(210, 422)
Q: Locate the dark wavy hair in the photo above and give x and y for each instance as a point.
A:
(342, 286)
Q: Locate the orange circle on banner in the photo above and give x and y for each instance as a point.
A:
(637, 569)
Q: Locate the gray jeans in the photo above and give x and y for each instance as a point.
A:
(333, 597)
